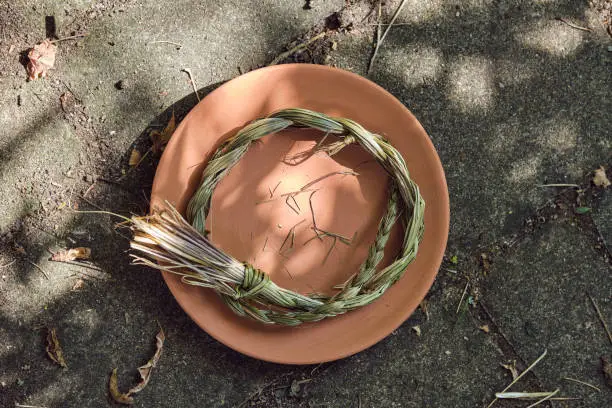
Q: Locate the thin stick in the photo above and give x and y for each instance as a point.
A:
(8, 264)
(72, 37)
(544, 399)
(378, 29)
(380, 41)
(559, 185)
(167, 42)
(601, 318)
(26, 406)
(577, 27)
(297, 48)
(582, 382)
(192, 80)
(39, 268)
(462, 296)
(520, 376)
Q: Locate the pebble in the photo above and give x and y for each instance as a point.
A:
(609, 48)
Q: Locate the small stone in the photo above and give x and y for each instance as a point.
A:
(447, 352)
(609, 48)
(501, 85)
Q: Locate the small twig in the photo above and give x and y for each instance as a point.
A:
(544, 399)
(39, 268)
(462, 296)
(297, 48)
(378, 30)
(559, 185)
(582, 382)
(168, 42)
(8, 264)
(520, 376)
(601, 318)
(382, 38)
(72, 37)
(27, 406)
(573, 25)
(192, 80)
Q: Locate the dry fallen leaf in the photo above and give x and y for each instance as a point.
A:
(41, 59)
(135, 157)
(78, 284)
(485, 328)
(54, 349)
(417, 330)
(161, 139)
(511, 366)
(72, 254)
(606, 367)
(144, 371)
(67, 101)
(114, 390)
(425, 308)
(600, 179)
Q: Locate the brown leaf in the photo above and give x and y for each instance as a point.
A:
(511, 366)
(54, 349)
(144, 371)
(41, 59)
(606, 367)
(161, 139)
(600, 179)
(67, 101)
(78, 284)
(72, 254)
(135, 157)
(113, 388)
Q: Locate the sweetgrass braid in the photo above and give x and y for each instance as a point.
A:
(166, 241)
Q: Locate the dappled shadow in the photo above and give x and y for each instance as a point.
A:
(487, 85)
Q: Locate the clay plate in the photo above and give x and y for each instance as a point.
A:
(253, 231)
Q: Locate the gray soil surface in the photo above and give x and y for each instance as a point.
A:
(512, 96)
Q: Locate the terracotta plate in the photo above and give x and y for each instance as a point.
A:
(254, 231)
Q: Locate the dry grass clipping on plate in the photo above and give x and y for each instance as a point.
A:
(168, 242)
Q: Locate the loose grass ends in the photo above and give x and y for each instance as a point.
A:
(519, 377)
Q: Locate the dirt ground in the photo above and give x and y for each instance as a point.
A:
(515, 96)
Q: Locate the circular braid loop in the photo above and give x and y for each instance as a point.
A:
(249, 291)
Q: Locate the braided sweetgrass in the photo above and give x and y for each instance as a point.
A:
(169, 243)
